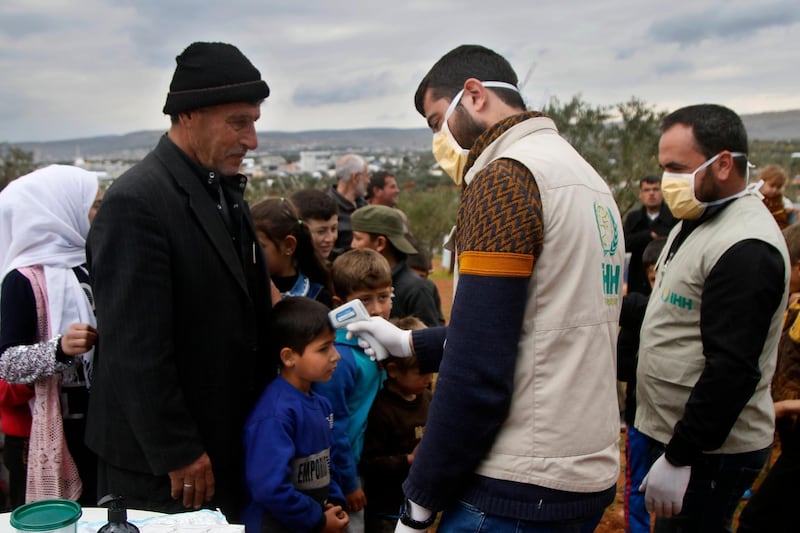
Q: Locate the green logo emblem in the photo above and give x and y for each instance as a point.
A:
(607, 227)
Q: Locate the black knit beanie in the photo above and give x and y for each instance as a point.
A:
(210, 74)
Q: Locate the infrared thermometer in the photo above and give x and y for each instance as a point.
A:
(354, 311)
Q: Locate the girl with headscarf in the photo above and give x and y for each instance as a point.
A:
(47, 326)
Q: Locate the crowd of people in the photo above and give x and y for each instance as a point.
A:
(171, 344)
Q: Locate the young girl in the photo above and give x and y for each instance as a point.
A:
(773, 179)
(295, 266)
(47, 332)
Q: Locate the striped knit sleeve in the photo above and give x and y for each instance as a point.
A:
(507, 236)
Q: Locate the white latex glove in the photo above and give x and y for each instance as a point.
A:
(418, 513)
(664, 487)
(396, 341)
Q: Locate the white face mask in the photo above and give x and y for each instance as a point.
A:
(678, 191)
(446, 150)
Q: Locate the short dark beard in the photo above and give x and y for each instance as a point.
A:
(465, 129)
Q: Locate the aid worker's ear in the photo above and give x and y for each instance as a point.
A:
(475, 95)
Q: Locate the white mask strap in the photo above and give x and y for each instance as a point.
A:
(457, 97)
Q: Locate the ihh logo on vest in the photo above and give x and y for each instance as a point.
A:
(609, 240)
(672, 298)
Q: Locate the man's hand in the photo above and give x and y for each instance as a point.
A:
(664, 487)
(194, 481)
(78, 339)
(336, 520)
(397, 341)
(356, 500)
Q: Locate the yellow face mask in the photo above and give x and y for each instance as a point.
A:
(452, 158)
(678, 192)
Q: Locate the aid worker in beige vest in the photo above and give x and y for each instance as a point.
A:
(710, 333)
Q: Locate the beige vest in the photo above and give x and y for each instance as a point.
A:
(562, 430)
(671, 349)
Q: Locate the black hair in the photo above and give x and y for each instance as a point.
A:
(378, 179)
(314, 204)
(652, 251)
(715, 128)
(278, 218)
(447, 76)
(651, 179)
(294, 323)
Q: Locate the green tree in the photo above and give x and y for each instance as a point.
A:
(14, 162)
(431, 213)
(635, 149)
(620, 141)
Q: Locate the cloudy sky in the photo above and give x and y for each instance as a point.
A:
(94, 67)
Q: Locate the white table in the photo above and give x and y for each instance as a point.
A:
(90, 514)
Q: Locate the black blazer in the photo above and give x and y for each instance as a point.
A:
(638, 227)
(181, 355)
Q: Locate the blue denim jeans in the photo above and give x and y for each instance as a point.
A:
(464, 518)
(715, 490)
(637, 463)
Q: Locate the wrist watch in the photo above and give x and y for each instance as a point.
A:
(406, 520)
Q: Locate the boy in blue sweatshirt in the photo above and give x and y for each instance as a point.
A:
(288, 435)
(360, 274)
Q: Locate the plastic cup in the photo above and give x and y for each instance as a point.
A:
(47, 516)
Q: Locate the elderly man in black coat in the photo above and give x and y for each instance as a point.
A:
(182, 293)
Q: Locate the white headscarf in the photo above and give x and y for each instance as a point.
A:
(44, 220)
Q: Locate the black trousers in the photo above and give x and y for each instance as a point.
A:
(774, 506)
(15, 457)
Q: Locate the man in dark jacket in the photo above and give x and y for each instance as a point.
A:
(651, 221)
(384, 229)
(182, 292)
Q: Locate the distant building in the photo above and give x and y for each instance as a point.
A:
(316, 161)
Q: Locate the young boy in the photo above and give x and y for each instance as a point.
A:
(357, 275)
(385, 230)
(319, 212)
(774, 180)
(396, 424)
(637, 519)
(288, 435)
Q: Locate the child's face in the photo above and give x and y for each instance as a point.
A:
(323, 233)
(651, 275)
(377, 301)
(772, 188)
(316, 363)
(409, 381)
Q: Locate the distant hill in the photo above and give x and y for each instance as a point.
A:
(773, 126)
(134, 146)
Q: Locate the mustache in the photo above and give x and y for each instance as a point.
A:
(240, 151)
